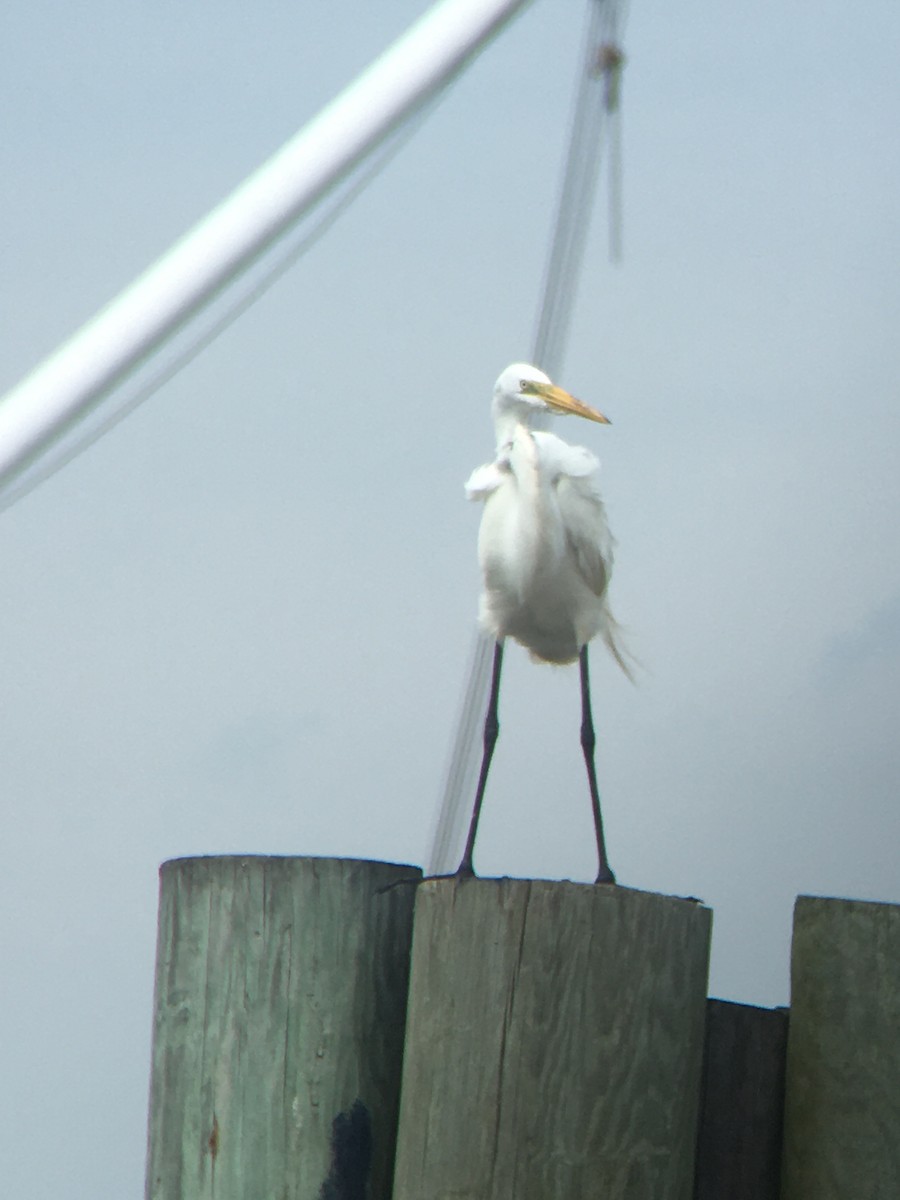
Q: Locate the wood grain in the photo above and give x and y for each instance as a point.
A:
(279, 1012)
(842, 1088)
(554, 1043)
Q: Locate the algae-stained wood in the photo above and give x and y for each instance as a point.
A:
(742, 1106)
(842, 1086)
(554, 1043)
(280, 1004)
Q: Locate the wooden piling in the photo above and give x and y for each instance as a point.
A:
(742, 1105)
(842, 1086)
(280, 1004)
(554, 1043)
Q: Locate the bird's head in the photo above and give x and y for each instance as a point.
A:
(524, 392)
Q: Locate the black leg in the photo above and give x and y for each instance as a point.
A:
(588, 741)
(491, 729)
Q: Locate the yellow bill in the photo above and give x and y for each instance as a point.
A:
(561, 402)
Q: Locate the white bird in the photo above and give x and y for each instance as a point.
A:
(546, 555)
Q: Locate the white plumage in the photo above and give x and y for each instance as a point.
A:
(545, 549)
(546, 556)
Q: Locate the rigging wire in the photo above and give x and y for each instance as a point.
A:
(278, 266)
(596, 109)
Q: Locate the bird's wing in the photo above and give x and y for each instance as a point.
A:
(558, 458)
(576, 472)
(486, 479)
(587, 532)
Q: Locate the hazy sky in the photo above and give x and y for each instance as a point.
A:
(242, 621)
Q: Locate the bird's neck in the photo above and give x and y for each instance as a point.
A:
(506, 422)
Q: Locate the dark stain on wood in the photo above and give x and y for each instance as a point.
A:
(213, 1141)
(351, 1155)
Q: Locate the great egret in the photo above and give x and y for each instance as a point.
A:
(546, 555)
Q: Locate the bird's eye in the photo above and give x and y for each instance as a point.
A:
(526, 386)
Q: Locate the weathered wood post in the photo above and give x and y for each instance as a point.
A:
(280, 1003)
(842, 1087)
(554, 1043)
(742, 1105)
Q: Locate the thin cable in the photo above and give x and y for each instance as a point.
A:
(612, 60)
(279, 266)
(596, 102)
(597, 98)
(459, 784)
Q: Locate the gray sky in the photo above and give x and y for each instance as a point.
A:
(242, 621)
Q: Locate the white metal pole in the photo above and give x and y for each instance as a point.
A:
(240, 229)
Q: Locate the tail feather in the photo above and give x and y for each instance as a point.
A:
(615, 644)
